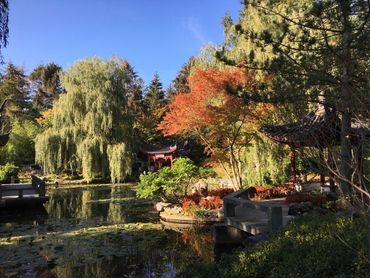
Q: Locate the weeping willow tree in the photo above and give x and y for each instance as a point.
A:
(91, 132)
(265, 163)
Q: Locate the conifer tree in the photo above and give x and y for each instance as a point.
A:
(46, 85)
(14, 87)
(154, 105)
(311, 46)
(154, 97)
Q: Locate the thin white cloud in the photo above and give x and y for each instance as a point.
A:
(192, 25)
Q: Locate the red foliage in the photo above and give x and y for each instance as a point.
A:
(186, 204)
(210, 104)
(221, 192)
(277, 191)
(212, 201)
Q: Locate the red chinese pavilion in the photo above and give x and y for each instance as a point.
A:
(161, 157)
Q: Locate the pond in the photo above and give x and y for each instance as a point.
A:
(96, 231)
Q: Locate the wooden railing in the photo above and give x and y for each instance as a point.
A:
(37, 185)
(240, 199)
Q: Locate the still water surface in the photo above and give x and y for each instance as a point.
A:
(96, 231)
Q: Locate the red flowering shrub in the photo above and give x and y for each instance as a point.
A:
(221, 192)
(212, 201)
(186, 204)
(277, 191)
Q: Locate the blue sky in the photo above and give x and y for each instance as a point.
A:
(153, 35)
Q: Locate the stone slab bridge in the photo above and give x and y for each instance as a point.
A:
(244, 217)
(23, 194)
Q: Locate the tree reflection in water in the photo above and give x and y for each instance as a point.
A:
(95, 231)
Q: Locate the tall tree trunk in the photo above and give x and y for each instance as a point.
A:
(345, 102)
(233, 166)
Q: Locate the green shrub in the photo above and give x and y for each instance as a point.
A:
(20, 150)
(7, 171)
(168, 183)
(308, 247)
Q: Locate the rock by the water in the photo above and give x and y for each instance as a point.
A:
(201, 187)
(172, 209)
(161, 205)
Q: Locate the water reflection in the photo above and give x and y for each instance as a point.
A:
(100, 231)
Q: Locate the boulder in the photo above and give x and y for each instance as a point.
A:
(161, 205)
(172, 209)
(201, 187)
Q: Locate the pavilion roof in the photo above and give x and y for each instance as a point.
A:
(320, 128)
(162, 150)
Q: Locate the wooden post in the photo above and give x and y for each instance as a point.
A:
(293, 166)
(301, 154)
(331, 165)
(39, 184)
(360, 164)
(322, 162)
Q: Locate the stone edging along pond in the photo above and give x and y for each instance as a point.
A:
(184, 219)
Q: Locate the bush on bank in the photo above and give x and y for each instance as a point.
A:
(310, 246)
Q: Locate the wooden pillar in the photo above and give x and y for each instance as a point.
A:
(301, 154)
(360, 163)
(322, 162)
(331, 169)
(293, 166)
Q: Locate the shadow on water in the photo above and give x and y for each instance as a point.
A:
(99, 231)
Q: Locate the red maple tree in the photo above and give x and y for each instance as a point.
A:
(222, 121)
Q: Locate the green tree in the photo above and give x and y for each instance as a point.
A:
(14, 87)
(311, 48)
(168, 183)
(154, 104)
(4, 29)
(20, 149)
(46, 85)
(154, 97)
(92, 124)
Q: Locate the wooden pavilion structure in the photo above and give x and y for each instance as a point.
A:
(319, 129)
(161, 157)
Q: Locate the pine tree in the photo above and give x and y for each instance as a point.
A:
(154, 105)
(320, 47)
(46, 86)
(154, 98)
(15, 88)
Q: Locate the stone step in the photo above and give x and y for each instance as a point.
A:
(252, 226)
